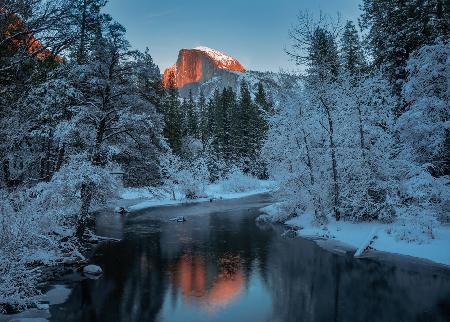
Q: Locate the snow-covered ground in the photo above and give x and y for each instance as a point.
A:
(386, 236)
(152, 197)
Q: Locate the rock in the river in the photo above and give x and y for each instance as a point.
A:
(92, 270)
(179, 219)
(42, 306)
(121, 210)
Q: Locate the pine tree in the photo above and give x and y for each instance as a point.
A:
(173, 129)
(352, 55)
(211, 114)
(322, 61)
(87, 20)
(227, 104)
(397, 27)
(192, 117)
(262, 100)
(265, 110)
(211, 145)
(203, 117)
(247, 133)
(149, 80)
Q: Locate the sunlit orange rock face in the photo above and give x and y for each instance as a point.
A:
(199, 65)
(13, 25)
(213, 288)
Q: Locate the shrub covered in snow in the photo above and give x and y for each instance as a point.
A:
(237, 181)
(274, 213)
(37, 226)
(190, 177)
(426, 123)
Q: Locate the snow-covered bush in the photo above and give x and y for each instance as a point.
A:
(237, 181)
(424, 199)
(78, 171)
(37, 225)
(279, 213)
(418, 228)
(27, 239)
(425, 125)
(190, 177)
(191, 184)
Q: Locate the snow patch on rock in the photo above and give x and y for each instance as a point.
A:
(218, 56)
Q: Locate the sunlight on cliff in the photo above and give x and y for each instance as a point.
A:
(199, 64)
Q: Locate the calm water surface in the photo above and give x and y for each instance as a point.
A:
(220, 265)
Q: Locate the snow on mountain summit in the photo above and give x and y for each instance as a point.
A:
(198, 65)
(218, 56)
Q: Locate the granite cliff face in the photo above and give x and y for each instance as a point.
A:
(199, 65)
(13, 25)
(206, 70)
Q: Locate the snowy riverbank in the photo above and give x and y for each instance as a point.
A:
(382, 237)
(135, 199)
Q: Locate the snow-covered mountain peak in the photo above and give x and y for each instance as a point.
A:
(200, 64)
(223, 60)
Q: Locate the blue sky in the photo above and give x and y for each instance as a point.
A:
(253, 31)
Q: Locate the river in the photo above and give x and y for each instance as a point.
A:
(220, 265)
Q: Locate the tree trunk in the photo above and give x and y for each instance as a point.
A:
(42, 169)
(97, 159)
(47, 174)
(81, 57)
(60, 161)
(6, 174)
(333, 163)
(86, 198)
(361, 132)
(318, 213)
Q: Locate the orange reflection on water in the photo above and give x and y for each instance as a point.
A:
(191, 276)
(212, 285)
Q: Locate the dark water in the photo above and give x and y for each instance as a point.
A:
(222, 266)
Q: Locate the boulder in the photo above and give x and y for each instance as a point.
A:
(93, 270)
(179, 219)
(121, 210)
(42, 306)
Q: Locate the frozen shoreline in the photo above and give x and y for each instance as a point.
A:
(381, 237)
(136, 199)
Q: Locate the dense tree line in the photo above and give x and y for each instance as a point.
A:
(74, 92)
(397, 28)
(90, 94)
(79, 118)
(228, 128)
(82, 115)
(368, 131)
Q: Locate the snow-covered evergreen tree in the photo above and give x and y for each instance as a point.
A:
(396, 28)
